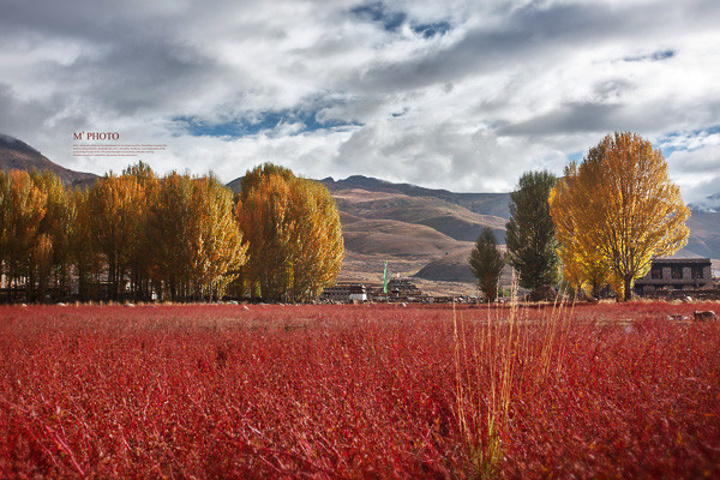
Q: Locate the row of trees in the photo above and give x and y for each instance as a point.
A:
(178, 237)
(601, 224)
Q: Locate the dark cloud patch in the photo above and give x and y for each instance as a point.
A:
(568, 119)
(25, 118)
(615, 89)
(137, 74)
(98, 22)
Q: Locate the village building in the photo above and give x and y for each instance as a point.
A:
(345, 292)
(398, 290)
(669, 274)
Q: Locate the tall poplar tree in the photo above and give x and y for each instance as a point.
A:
(196, 246)
(24, 206)
(619, 208)
(293, 229)
(115, 218)
(52, 256)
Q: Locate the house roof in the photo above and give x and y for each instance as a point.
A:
(679, 261)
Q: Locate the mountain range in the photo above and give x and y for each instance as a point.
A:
(421, 232)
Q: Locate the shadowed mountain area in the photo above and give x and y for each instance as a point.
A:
(704, 238)
(18, 155)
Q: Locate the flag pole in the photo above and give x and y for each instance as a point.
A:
(385, 281)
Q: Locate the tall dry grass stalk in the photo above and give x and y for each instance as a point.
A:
(494, 361)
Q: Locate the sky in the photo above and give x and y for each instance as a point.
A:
(464, 95)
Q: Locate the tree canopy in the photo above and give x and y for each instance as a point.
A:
(195, 244)
(616, 211)
(293, 229)
(530, 237)
(486, 263)
(126, 236)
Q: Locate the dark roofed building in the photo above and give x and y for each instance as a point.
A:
(675, 274)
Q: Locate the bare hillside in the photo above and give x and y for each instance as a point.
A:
(18, 155)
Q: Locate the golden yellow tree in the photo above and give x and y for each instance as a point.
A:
(293, 229)
(583, 269)
(114, 212)
(23, 209)
(140, 257)
(217, 251)
(318, 240)
(87, 259)
(195, 243)
(618, 209)
(51, 257)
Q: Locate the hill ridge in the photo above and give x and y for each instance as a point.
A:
(16, 154)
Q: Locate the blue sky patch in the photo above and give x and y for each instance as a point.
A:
(666, 143)
(653, 57)
(266, 122)
(429, 30)
(378, 12)
(576, 157)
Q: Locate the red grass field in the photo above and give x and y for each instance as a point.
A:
(606, 391)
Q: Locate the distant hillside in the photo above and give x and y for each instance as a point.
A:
(454, 268)
(18, 155)
(493, 204)
(396, 238)
(429, 233)
(450, 219)
(409, 226)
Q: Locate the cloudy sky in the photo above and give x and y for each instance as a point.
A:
(457, 94)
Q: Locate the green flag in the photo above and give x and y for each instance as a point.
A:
(385, 282)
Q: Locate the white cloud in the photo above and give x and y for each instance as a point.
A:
(496, 89)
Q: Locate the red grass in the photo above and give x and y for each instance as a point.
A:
(356, 392)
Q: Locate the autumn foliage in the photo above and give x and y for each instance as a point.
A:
(37, 216)
(615, 212)
(139, 236)
(293, 229)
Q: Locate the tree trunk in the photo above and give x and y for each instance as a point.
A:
(627, 280)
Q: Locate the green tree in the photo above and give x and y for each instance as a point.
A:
(486, 263)
(530, 237)
(620, 209)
